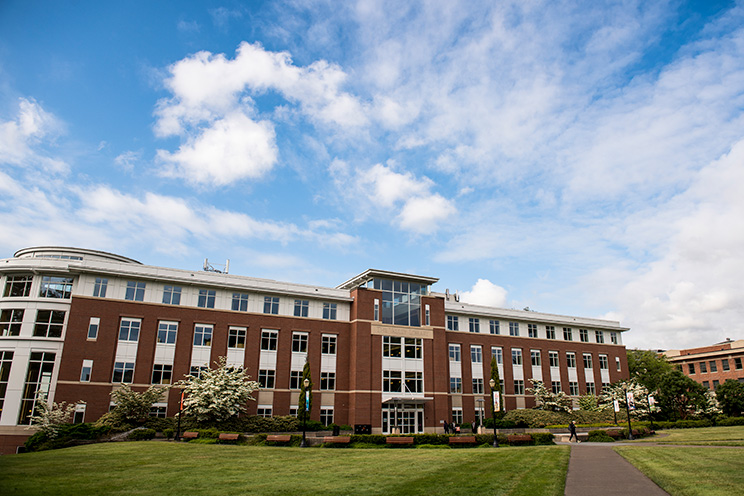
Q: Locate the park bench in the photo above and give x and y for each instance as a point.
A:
(190, 435)
(227, 436)
(279, 438)
(519, 438)
(462, 440)
(337, 439)
(398, 440)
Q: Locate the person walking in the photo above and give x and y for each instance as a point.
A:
(446, 427)
(572, 430)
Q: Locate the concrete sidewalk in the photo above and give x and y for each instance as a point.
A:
(595, 469)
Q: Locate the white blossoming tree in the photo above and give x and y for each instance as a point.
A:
(617, 391)
(548, 400)
(49, 418)
(217, 394)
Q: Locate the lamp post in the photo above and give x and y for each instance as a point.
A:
(627, 409)
(482, 413)
(496, 407)
(306, 411)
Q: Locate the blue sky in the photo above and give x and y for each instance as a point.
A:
(580, 158)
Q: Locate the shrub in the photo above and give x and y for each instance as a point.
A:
(726, 421)
(432, 446)
(169, 433)
(67, 435)
(543, 438)
(600, 436)
(141, 435)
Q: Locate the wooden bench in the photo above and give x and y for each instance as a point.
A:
(279, 438)
(462, 440)
(337, 439)
(519, 438)
(227, 436)
(398, 440)
(190, 435)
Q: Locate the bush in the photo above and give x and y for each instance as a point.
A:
(432, 446)
(727, 421)
(67, 435)
(159, 424)
(542, 438)
(599, 436)
(141, 435)
(169, 433)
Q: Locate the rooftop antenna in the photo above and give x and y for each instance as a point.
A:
(218, 268)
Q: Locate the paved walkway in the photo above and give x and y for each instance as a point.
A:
(595, 469)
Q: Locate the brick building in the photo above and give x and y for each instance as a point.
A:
(384, 349)
(711, 365)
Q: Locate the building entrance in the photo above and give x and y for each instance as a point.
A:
(402, 418)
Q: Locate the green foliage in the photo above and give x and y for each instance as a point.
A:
(67, 435)
(648, 368)
(132, 407)
(618, 391)
(543, 438)
(680, 397)
(50, 417)
(730, 396)
(497, 381)
(169, 433)
(160, 424)
(726, 421)
(599, 436)
(141, 435)
(305, 403)
(589, 403)
(683, 424)
(432, 446)
(548, 400)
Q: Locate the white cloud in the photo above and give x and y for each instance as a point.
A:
(485, 293)
(20, 138)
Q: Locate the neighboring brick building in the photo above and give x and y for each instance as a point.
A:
(384, 350)
(711, 365)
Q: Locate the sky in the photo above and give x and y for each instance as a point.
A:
(576, 158)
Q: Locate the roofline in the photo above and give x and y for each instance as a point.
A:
(369, 274)
(81, 251)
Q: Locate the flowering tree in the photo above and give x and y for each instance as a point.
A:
(49, 418)
(217, 394)
(711, 406)
(617, 391)
(548, 400)
(132, 407)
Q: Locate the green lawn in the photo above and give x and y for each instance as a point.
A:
(708, 436)
(163, 468)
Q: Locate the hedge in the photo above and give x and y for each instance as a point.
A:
(141, 435)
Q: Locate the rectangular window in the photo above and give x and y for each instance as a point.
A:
(571, 360)
(590, 389)
(391, 347)
(553, 357)
(301, 308)
(455, 384)
(457, 416)
(725, 365)
(49, 323)
(494, 327)
(135, 291)
(706, 384)
(295, 378)
(202, 335)
(55, 287)
(266, 378)
(38, 378)
(93, 325)
(268, 340)
(427, 315)
(555, 386)
(474, 324)
(159, 411)
(327, 381)
(236, 337)
(691, 368)
(518, 386)
(477, 386)
(513, 328)
(550, 332)
(413, 347)
(703, 368)
(10, 321)
(454, 352)
(326, 416)
(328, 344)
(535, 358)
(162, 373)
(167, 332)
(6, 360)
(329, 311)
(599, 336)
(573, 388)
(498, 353)
(197, 371)
(617, 364)
(239, 302)
(715, 384)
(567, 334)
(476, 354)
(86, 371)
(613, 337)
(264, 411)
(516, 356)
(100, 286)
(737, 363)
(377, 310)
(299, 342)
(452, 323)
(123, 372)
(587, 360)
(129, 329)
(401, 302)
(271, 305)
(171, 295)
(713, 367)
(584, 335)
(392, 381)
(603, 362)
(532, 330)
(206, 298)
(17, 286)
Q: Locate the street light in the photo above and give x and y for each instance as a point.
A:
(306, 382)
(482, 413)
(495, 398)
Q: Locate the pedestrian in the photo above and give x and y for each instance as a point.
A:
(475, 426)
(446, 427)
(457, 429)
(572, 430)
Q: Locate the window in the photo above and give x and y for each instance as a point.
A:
(737, 363)
(86, 371)
(240, 302)
(454, 352)
(691, 368)
(474, 324)
(584, 335)
(268, 340)
(295, 378)
(715, 383)
(553, 357)
(599, 336)
(135, 291)
(377, 310)
(567, 334)
(327, 381)
(493, 325)
(329, 311)
(202, 335)
(476, 354)
(603, 362)
(129, 329)
(498, 353)
(266, 378)
(206, 298)
(6, 360)
(162, 373)
(457, 415)
(172, 295)
(725, 365)
(452, 323)
(17, 286)
(167, 332)
(713, 367)
(236, 337)
(613, 337)
(264, 411)
(10, 321)
(391, 347)
(518, 386)
(401, 301)
(159, 411)
(605, 385)
(516, 356)
(555, 386)
(413, 347)
(617, 364)
(301, 308)
(328, 344)
(49, 323)
(197, 370)
(123, 372)
(571, 360)
(93, 325)
(392, 381)
(299, 342)
(706, 384)
(703, 368)
(535, 358)
(293, 411)
(513, 328)
(99, 288)
(477, 386)
(573, 388)
(427, 315)
(455, 384)
(38, 378)
(550, 332)
(326, 416)
(532, 330)
(587, 360)
(271, 305)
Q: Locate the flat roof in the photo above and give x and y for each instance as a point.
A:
(370, 274)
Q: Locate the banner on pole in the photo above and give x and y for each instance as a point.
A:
(616, 404)
(631, 400)
(307, 401)
(496, 401)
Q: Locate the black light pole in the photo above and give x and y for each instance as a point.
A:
(627, 409)
(303, 444)
(495, 408)
(180, 413)
(649, 399)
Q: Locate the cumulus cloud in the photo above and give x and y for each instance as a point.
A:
(485, 293)
(20, 138)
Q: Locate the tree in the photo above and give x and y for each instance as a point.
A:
(648, 368)
(302, 412)
(730, 396)
(218, 394)
(679, 396)
(589, 403)
(548, 400)
(618, 390)
(49, 418)
(497, 380)
(132, 407)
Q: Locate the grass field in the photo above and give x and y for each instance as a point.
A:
(706, 436)
(168, 468)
